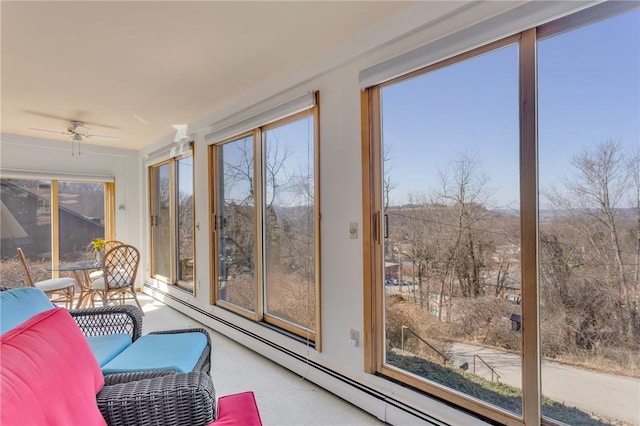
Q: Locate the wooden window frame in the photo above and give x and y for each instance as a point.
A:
(152, 243)
(373, 231)
(213, 208)
(109, 217)
(260, 314)
(373, 290)
(178, 282)
(172, 278)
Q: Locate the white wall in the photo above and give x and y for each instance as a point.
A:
(46, 155)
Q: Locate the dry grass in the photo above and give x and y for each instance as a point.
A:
(485, 321)
(241, 291)
(401, 313)
(12, 273)
(289, 297)
(292, 298)
(495, 393)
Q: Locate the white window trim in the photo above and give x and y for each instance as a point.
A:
(513, 21)
(226, 128)
(165, 153)
(48, 175)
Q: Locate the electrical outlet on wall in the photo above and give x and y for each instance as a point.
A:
(354, 337)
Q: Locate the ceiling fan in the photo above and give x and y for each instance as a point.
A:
(78, 132)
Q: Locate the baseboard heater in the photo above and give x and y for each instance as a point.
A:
(344, 379)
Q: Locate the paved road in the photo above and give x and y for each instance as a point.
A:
(616, 397)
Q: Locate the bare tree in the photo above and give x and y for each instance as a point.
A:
(633, 165)
(387, 184)
(592, 206)
(602, 181)
(466, 193)
(414, 241)
(238, 192)
(502, 273)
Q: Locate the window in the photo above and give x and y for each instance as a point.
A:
(235, 223)
(265, 214)
(53, 221)
(480, 284)
(589, 229)
(172, 221)
(160, 189)
(184, 233)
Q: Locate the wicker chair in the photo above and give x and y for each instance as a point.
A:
(149, 397)
(127, 319)
(173, 399)
(106, 320)
(64, 288)
(119, 270)
(163, 397)
(91, 255)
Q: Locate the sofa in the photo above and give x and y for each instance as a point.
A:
(114, 336)
(49, 374)
(53, 370)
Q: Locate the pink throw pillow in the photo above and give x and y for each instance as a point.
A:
(48, 374)
(239, 409)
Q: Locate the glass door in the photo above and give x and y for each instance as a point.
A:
(160, 176)
(235, 224)
(184, 224)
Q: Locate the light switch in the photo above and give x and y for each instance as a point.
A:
(353, 230)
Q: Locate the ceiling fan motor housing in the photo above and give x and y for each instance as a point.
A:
(77, 127)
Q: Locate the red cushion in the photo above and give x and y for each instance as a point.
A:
(48, 375)
(238, 410)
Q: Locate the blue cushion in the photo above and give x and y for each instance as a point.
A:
(179, 352)
(19, 304)
(105, 348)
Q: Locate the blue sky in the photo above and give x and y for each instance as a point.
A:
(295, 156)
(293, 145)
(185, 177)
(588, 92)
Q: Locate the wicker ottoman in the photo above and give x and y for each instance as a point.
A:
(181, 351)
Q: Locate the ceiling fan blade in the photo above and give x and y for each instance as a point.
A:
(113, 138)
(57, 117)
(50, 131)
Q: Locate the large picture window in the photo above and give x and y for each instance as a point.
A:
(172, 221)
(503, 262)
(266, 226)
(589, 210)
(52, 221)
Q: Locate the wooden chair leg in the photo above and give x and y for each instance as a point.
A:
(70, 292)
(72, 297)
(135, 297)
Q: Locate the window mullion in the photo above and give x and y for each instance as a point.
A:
(529, 230)
(109, 213)
(316, 219)
(173, 202)
(55, 227)
(258, 193)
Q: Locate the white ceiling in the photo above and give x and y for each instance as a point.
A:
(134, 69)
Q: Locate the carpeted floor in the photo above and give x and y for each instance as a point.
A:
(284, 398)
